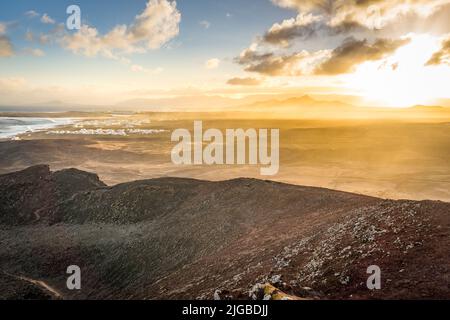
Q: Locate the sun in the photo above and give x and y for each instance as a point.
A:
(403, 80)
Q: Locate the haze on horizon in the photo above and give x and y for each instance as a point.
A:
(386, 53)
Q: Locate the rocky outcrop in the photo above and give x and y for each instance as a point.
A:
(27, 195)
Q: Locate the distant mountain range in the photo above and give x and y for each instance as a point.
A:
(328, 106)
(308, 107)
(305, 106)
(295, 102)
(185, 239)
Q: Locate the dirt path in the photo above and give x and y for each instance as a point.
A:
(42, 284)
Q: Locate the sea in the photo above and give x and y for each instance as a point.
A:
(10, 127)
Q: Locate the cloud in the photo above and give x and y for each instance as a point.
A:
(295, 64)
(31, 14)
(291, 64)
(35, 52)
(303, 5)
(29, 36)
(383, 22)
(251, 55)
(46, 19)
(139, 68)
(154, 27)
(6, 48)
(205, 24)
(157, 24)
(373, 14)
(11, 84)
(278, 65)
(442, 56)
(44, 38)
(353, 52)
(244, 81)
(304, 26)
(56, 34)
(319, 18)
(342, 59)
(212, 63)
(307, 26)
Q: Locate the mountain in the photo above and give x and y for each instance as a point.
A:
(216, 103)
(26, 193)
(315, 108)
(294, 104)
(172, 238)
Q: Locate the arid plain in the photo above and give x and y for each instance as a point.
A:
(390, 157)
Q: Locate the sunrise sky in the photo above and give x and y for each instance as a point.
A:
(391, 53)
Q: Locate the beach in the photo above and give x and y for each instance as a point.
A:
(11, 127)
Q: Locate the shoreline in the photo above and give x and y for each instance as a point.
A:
(12, 127)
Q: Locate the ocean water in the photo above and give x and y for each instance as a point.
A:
(13, 126)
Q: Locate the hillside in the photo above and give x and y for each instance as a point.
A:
(172, 238)
(27, 193)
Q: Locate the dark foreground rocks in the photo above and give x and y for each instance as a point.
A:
(173, 238)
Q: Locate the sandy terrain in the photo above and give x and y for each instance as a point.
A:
(384, 158)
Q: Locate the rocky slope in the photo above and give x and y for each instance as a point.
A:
(172, 238)
(26, 193)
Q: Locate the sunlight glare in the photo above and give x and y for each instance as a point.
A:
(403, 80)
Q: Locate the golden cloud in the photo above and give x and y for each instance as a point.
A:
(353, 52)
(442, 56)
(245, 81)
(154, 27)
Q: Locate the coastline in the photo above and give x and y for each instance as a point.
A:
(11, 127)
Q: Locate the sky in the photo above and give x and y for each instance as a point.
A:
(392, 53)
